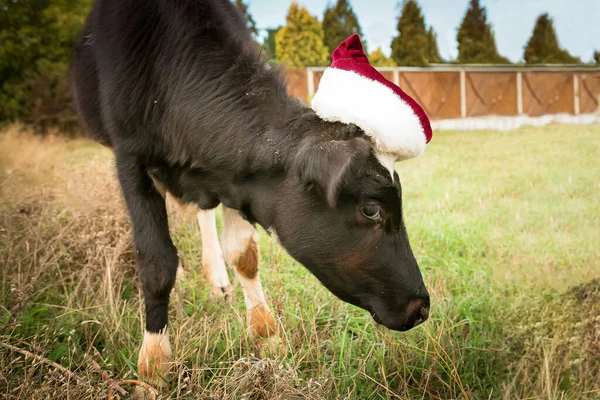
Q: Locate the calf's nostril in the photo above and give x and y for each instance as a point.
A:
(424, 313)
(422, 316)
(417, 311)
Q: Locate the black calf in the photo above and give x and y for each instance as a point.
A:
(180, 92)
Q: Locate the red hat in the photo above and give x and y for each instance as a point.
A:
(352, 91)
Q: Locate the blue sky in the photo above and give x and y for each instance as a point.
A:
(577, 22)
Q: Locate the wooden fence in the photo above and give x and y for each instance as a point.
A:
(457, 91)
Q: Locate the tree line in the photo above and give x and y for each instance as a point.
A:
(305, 41)
(37, 37)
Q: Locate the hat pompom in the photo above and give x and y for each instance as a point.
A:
(352, 91)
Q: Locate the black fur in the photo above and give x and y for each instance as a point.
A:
(180, 92)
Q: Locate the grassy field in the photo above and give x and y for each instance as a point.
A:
(505, 226)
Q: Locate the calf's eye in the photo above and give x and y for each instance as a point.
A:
(372, 212)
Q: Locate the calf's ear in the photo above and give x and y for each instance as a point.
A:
(325, 164)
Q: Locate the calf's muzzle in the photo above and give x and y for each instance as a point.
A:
(406, 317)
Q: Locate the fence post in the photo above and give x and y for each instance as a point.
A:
(311, 81)
(575, 94)
(396, 76)
(519, 93)
(463, 93)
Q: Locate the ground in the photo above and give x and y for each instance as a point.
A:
(505, 226)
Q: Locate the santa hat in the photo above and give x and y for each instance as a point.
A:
(352, 91)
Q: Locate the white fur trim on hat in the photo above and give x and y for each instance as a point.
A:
(388, 120)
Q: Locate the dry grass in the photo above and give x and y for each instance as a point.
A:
(558, 339)
(502, 224)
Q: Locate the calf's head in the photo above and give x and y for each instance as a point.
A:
(340, 215)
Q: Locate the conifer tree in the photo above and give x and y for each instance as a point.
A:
(339, 23)
(414, 45)
(269, 42)
(433, 54)
(36, 44)
(300, 42)
(378, 59)
(543, 46)
(476, 42)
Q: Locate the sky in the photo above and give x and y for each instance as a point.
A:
(577, 22)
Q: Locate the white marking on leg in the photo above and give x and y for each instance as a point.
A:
(239, 244)
(238, 235)
(261, 323)
(253, 291)
(212, 255)
(155, 356)
(237, 232)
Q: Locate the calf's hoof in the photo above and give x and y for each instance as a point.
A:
(218, 292)
(262, 328)
(270, 347)
(140, 393)
(154, 361)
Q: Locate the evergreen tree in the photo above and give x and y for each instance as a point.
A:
(433, 54)
(597, 57)
(378, 59)
(300, 42)
(414, 45)
(269, 43)
(250, 24)
(543, 46)
(476, 42)
(339, 23)
(36, 41)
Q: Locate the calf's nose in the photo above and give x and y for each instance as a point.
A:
(417, 311)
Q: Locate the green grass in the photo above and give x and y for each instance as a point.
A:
(505, 227)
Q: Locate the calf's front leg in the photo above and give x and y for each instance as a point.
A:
(157, 262)
(239, 242)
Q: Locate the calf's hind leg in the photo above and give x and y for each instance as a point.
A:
(241, 252)
(157, 261)
(212, 255)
